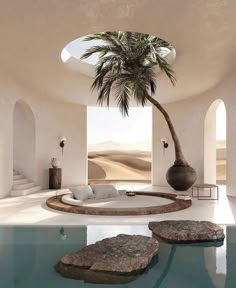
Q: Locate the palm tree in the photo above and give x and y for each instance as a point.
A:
(127, 69)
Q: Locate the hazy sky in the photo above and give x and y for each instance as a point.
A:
(108, 125)
(77, 47)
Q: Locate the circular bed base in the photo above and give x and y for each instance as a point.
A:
(176, 205)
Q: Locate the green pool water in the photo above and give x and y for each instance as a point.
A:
(28, 254)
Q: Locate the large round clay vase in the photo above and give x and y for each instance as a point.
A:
(181, 178)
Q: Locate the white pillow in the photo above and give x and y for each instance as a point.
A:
(68, 199)
(103, 191)
(82, 192)
(122, 192)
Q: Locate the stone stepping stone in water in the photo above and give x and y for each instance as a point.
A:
(187, 231)
(113, 260)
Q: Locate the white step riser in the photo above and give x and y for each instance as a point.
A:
(17, 177)
(25, 191)
(20, 181)
(23, 186)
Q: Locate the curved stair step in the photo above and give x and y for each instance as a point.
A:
(18, 177)
(23, 186)
(20, 181)
(26, 191)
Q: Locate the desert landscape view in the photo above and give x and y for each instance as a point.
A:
(119, 148)
(110, 161)
(123, 153)
(221, 161)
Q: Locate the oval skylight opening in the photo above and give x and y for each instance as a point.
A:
(78, 47)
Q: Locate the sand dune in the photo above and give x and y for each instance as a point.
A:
(95, 171)
(129, 165)
(132, 162)
(221, 170)
(118, 171)
(120, 165)
(106, 153)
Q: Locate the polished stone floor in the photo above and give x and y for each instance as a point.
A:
(31, 210)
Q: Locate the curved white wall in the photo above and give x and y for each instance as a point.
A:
(188, 117)
(24, 140)
(52, 120)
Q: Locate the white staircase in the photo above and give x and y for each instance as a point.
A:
(23, 186)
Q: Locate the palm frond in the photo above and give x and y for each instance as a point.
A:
(153, 87)
(122, 94)
(112, 39)
(143, 80)
(166, 68)
(126, 66)
(139, 93)
(113, 61)
(102, 50)
(104, 92)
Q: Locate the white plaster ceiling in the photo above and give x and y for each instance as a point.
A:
(34, 32)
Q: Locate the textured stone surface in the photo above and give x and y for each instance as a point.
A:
(187, 231)
(123, 255)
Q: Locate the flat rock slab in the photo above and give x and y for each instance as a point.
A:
(187, 231)
(123, 255)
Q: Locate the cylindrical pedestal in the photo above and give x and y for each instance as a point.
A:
(55, 178)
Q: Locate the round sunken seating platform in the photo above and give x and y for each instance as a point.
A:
(175, 205)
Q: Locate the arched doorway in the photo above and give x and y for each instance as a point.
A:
(215, 144)
(24, 140)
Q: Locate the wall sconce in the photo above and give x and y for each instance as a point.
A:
(62, 141)
(164, 142)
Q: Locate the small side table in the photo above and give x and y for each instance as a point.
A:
(55, 178)
(205, 186)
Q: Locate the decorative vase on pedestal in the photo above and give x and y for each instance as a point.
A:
(55, 163)
(55, 176)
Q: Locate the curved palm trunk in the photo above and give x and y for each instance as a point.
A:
(179, 156)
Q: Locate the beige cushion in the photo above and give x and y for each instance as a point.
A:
(103, 191)
(82, 192)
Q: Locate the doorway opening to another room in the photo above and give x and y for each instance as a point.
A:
(215, 148)
(119, 149)
(24, 141)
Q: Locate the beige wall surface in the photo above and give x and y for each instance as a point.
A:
(52, 120)
(188, 117)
